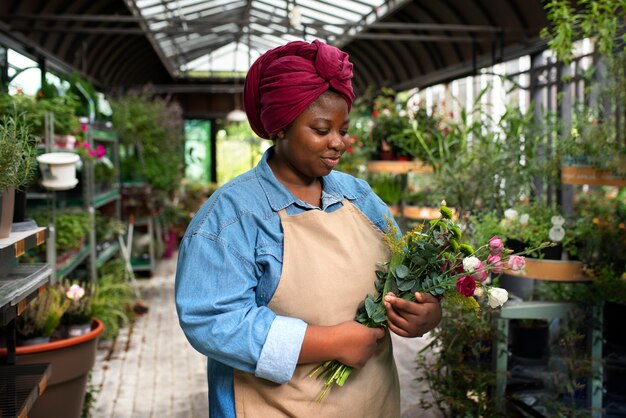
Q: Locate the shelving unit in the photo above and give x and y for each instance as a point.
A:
(98, 200)
(92, 201)
(20, 385)
(564, 271)
(147, 263)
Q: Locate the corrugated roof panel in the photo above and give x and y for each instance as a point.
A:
(191, 33)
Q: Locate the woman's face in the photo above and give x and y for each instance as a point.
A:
(311, 146)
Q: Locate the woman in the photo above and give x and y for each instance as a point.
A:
(273, 267)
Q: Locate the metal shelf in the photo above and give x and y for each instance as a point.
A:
(105, 255)
(19, 287)
(106, 197)
(78, 258)
(17, 243)
(20, 386)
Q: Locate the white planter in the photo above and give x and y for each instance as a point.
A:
(58, 170)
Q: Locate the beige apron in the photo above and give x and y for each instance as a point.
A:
(329, 261)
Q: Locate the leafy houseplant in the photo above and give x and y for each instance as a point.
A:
(526, 225)
(77, 315)
(43, 315)
(17, 152)
(112, 299)
(17, 164)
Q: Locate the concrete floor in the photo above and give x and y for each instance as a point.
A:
(151, 371)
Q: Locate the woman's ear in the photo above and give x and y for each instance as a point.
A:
(280, 134)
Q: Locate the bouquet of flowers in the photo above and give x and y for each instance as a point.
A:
(429, 261)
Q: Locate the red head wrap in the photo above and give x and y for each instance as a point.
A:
(285, 80)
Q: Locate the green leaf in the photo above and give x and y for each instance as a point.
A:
(370, 306)
(401, 271)
(406, 285)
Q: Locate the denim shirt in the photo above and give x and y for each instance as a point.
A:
(229, 265)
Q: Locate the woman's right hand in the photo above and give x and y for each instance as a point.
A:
(348, 342)
(359, 343)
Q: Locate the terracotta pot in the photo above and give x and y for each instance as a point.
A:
(7, 198)
(71, 360)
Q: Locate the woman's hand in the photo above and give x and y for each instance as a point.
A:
(349, 342)
(412, 319)
(359, 343)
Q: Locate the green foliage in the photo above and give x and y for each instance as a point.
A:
(71, 230)
(602, 243)
(112, 298)
(43, 315)
(154, 128)
(457, 363)
(480, 163)
(77, 312)
(17, 151)
(387, 186)
(570, 21)
(527, 222)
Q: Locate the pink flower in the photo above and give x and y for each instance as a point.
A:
(496, 262)
(466, 285)
(495, 245)
(100, 151)
(517, 263)
(481, 272)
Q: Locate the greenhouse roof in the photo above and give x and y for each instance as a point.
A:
(199, 47)
(219, 37)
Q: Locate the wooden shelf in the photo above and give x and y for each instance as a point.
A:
(398, 167)
(580, 175)
(20, 386)
(555, 270)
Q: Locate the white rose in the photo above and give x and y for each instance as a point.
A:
(470, 264)
(479, 291)
(511, 214)
(523, 218)
(497, 296)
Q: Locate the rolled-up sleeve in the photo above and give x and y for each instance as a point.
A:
(217, 310)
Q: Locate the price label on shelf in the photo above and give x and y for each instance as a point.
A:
(19, 248)
(41, 237)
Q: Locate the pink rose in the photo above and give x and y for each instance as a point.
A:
(466, 285)
(496, 262)
(517, 263)
(100, 151)
(481, 272)
(495, 245)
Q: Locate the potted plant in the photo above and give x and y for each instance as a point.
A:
(17, 164)
(457, 364)
(76, 318)
(37, 323)
(71, 359)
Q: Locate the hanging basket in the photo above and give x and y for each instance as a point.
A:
(58, 170)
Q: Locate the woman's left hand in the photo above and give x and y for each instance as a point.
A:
(412, 319)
